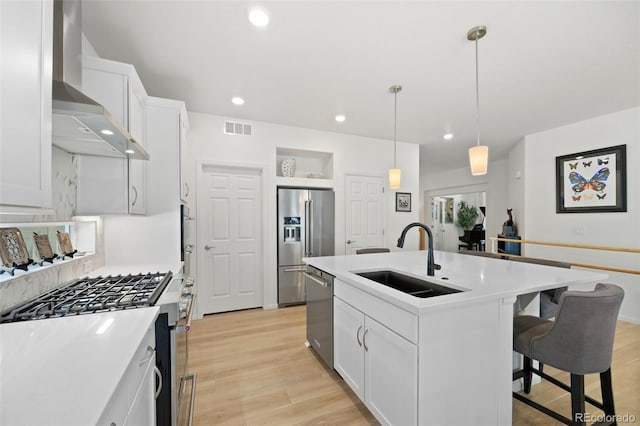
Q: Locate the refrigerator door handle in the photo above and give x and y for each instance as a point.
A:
(306, 229)
(310, 246)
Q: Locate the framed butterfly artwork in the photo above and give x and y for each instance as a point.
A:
(592, 181)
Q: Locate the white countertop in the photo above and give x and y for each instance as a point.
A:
(479, 277)
(62, 371)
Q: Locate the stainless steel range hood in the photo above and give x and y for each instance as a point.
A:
(80, 124)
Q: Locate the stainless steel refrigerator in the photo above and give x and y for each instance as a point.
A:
(306, 227)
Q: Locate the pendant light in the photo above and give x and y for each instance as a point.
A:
(394, 174)
(479, 154)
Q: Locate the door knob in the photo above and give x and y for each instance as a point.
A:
(208, 247)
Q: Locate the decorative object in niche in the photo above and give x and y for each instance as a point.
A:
(44, 248)
(13, 250)
(592, 181)
(403, 201)
(289, 167)
(65, 244)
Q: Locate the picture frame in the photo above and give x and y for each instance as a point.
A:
(448, 210)
(592, 181)
(403, 201)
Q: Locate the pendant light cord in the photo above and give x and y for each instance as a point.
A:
(477, 97)
(395, 125)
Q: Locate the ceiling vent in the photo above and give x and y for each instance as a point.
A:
(235, 128)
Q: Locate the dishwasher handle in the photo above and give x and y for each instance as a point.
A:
(317, 280)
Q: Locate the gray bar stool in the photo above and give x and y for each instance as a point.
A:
(579, 341)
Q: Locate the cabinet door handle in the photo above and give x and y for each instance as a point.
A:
(358, 336)
(364, 342)
(351, 241)
(159, 376)
(208, 247)
(186, 187)
(135, 196)
(150, 352)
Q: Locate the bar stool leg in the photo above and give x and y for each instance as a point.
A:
(577, 399)
(526, 369)
(606, 387)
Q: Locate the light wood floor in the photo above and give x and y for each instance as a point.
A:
(253, 368)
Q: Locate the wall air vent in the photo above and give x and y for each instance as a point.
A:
(235, 128)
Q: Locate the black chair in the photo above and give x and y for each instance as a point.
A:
(372, 250)
(548, 298)
(579, 341)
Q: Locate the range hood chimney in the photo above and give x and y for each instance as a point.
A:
(80, 124)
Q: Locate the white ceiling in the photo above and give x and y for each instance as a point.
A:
(542, 64)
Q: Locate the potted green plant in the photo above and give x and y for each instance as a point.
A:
(466, 215)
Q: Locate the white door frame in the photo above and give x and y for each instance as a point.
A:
(201, 192)
(452, 190)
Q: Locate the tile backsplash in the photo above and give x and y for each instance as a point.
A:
(64, 184)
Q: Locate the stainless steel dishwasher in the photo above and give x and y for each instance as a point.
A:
(319, 288)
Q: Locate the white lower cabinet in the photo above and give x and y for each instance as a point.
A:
(133, 401)
(380, 366)
(143, 407)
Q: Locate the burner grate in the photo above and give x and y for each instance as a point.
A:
(90, 295)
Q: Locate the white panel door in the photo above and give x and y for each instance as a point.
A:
(348, 329)
(364, 219)
(229, 239)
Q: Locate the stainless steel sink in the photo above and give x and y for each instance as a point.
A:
(407, 284)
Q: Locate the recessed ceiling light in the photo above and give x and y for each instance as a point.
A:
(237, 100)
(447, 136)
(340, 118)
(258, 17)
(106, 132)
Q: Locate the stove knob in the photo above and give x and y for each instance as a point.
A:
(189, 282)
(187, 291)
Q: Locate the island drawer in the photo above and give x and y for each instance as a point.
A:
(397, 319)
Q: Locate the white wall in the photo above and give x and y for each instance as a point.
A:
(515, 181)
(352, 155)
(603, 229)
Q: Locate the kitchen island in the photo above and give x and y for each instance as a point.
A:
(439, 360)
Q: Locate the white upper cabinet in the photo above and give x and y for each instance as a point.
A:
(114, 185)
(167, 128)
(186, 192)
(26, 33)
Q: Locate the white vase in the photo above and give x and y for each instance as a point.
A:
(289, 167)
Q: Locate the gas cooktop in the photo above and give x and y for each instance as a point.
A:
(90, 295)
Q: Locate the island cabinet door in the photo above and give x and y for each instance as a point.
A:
(348, 329)
(391, 375)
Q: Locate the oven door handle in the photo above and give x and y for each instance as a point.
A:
(187, 325)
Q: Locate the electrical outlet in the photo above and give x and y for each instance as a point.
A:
(578, 230)
(87, 266)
